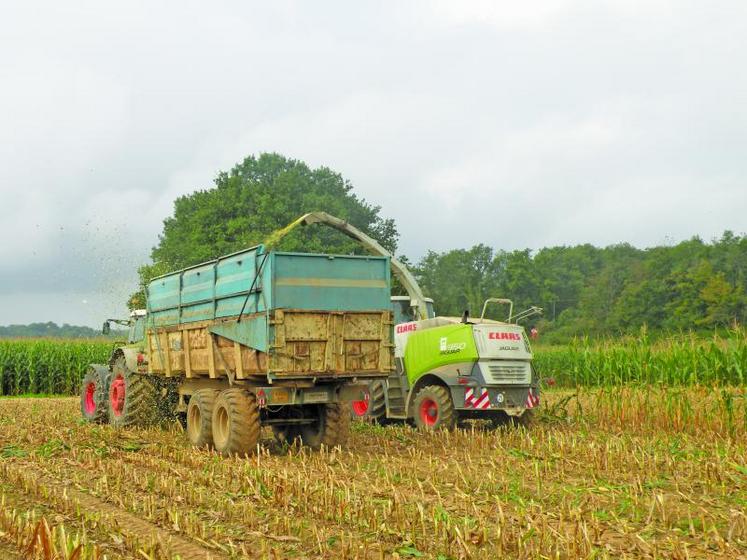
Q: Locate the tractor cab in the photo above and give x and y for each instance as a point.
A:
(135, 325)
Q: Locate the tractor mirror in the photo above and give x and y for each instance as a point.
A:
(106, 328)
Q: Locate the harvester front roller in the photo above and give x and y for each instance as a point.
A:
(501, 418)
(93, 394)
(132, 397)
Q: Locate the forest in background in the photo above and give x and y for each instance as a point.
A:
(53, 330)
(590, 291)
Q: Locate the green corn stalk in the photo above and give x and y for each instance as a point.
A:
(47, 365)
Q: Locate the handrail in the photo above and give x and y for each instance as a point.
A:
(498, 300)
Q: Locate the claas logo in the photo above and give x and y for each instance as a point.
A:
(504, 336)
(406, 327)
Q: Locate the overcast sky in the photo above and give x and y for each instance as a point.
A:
(516, 124)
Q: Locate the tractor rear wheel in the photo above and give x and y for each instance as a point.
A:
(200, 417)
(433, 409)
(373, 408)
(132, 397)
(235, 422)
(93, 395)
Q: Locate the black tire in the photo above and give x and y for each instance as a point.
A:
(199, 421)
(331, 426)
(376, 404)
(235, 422)
(433, 410)
(132, 397)
(93, 395)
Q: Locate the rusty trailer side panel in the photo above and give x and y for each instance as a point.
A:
(303, 343)
(193, 351)
(331, 342)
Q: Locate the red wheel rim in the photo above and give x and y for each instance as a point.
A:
(117, 395)
(89, 403)
(360, 408)
(428, 412)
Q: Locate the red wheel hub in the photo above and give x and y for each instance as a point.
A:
(360, 407)
(428, 412)
(117, 395)
(89, 403)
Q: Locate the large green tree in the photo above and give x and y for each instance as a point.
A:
(255, 199)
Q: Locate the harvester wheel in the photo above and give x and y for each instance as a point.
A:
(132, 397)
(235, 422)
(433, 409)
(331, 426)
(373, 408)
(200, 417)
(93, 395)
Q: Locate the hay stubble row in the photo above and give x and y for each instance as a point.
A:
(582, 483)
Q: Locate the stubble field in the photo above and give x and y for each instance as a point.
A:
(605, 473)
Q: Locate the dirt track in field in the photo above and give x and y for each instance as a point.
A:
(620, 482)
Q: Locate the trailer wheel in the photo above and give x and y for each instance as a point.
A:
(200, 417)
(235, 422)
(132, 397)
(331, 426)
(93, 395)
(373, 408)
(433, 409)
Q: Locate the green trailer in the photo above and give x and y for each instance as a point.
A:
(256, 338)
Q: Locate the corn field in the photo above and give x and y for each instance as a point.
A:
(56, 366)
(47, 366)
(684, 360)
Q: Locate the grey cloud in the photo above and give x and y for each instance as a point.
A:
(518, 126)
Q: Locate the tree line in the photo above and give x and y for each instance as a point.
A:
(583, 289)
(587, 290)
(53, 330)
